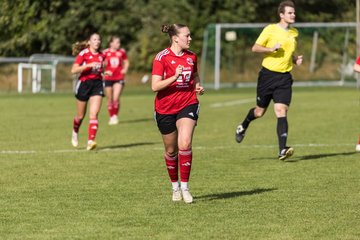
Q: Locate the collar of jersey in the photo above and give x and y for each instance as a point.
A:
(172, 53)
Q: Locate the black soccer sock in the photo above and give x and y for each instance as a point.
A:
(249, 117)
(282, 131)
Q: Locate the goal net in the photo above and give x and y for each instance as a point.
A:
(329, 51)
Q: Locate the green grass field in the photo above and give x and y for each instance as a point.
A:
(121, 191)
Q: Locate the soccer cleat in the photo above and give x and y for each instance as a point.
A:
(357, 147)
(74, 139)
(240, 133)
(186, 196)
(176, 195)
(286, 153)
(91, 145)
(113, 120)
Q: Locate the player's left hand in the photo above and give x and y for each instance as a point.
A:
(299, 60)
(200, 89)
(108, 73)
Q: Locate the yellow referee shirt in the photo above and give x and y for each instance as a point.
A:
(281, 60)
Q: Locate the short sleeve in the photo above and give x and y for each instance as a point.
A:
(158, 68)
(263, 37)
(195, 70)
(358, 60)
(79, 59)
(124, 55)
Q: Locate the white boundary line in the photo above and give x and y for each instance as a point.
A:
(232, 103)
(79, 150)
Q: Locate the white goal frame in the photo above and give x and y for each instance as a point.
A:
(36, 76)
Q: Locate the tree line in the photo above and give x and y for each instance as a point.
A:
(52, 26)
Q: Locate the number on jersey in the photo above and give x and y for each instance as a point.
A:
(184, 77)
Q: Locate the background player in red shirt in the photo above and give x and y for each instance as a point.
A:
(89, 64)
(175, 79)
(117, 63)
(357, 69)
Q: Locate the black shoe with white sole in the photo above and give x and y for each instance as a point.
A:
(240, 133)
(286, 153)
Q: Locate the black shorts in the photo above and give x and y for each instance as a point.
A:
(167, 122)
(85, 90)
(273, 86)
(110, 83)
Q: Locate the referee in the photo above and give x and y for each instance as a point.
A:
(278, 43)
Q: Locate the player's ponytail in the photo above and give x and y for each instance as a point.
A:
(165, 28)
(78, 47)
(171, 29)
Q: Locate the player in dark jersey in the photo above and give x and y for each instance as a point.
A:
(116, 61)
(89, 89)
(176, 81)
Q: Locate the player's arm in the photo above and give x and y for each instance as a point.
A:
(356, 67)
(198, 87)
(77, 68)
(126, 66)
(158, 84)
(261, 49)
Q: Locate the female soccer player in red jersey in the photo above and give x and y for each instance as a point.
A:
(357, 69)
(89, 89)
(116, 61)
(175, 79)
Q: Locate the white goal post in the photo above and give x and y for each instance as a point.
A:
(36, 76)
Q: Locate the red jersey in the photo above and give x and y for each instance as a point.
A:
(114, 63)
(181, 93)
(85, 57)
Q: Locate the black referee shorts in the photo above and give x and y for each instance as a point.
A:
(167, 122)
(274, 86)
(86, 89)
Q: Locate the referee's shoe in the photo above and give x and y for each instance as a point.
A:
(286, 153)
(240, 133)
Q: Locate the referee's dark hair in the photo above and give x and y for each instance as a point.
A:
(282, 5)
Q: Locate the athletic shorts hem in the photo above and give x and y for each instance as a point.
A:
(86, 89)
(167, 122)
(110, 83)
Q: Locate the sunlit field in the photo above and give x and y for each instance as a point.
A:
(49, 190)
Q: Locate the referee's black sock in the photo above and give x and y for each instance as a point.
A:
(282, 131)
(249, 117)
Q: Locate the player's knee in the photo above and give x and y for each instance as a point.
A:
(80, 117)
(259, 112)
(171, 152)
(185, 144)
(281, 111)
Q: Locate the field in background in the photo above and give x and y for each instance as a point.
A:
(121, 191)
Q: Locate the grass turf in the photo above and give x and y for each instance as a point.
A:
(122, 191)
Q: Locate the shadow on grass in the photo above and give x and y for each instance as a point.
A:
(226, 195)
(137, 120)
(318, 156)
(128, 145)
(308, 157)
